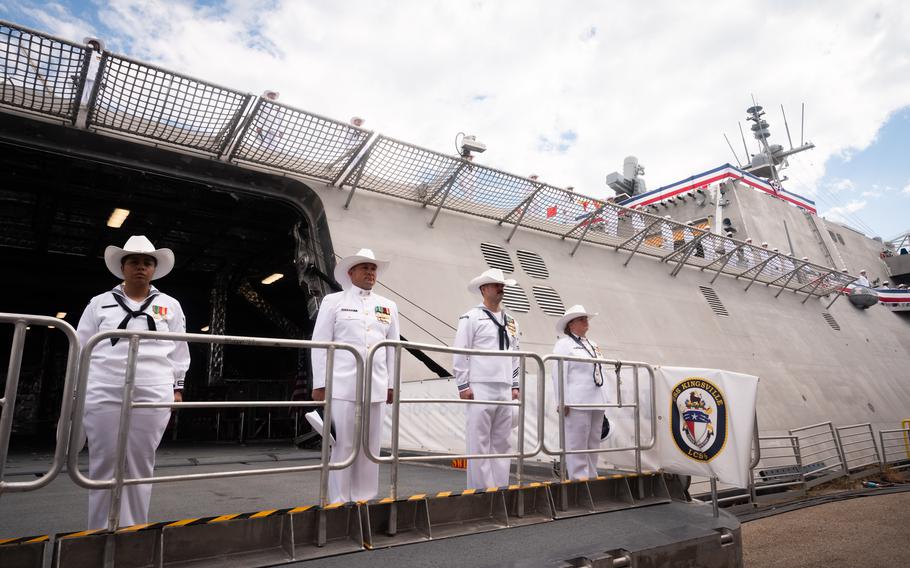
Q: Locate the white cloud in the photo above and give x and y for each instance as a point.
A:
(842, 212)
(906, 189)
(839, 185)
(56, 19)
(662, 80)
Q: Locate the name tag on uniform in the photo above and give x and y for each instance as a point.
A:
(383, 314)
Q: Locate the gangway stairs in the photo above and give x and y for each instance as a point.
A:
(359, 532)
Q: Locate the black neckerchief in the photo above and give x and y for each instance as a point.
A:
(503, 334)
(593, 354)
(130, 314)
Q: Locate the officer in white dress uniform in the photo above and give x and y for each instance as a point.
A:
(486, 326)
(160, 370)
(359, 317)
(583, 383)
(863, 280)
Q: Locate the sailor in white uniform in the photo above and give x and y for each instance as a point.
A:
(161, 366)
(583, 383)
(486, 326)
(666, 234)
(730, 246)
(359, 317)
(611, 217)
(863, 280)
(748, 254)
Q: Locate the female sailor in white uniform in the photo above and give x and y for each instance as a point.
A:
(161, 366)
(582, 384)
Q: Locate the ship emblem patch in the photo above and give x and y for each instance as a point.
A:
(698, 413)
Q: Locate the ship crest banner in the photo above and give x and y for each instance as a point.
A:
(705, 425)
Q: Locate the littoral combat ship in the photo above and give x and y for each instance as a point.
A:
(726, 269)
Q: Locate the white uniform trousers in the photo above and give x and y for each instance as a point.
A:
(102, 423)
(359, 481)
(488, 430)
(583, 433)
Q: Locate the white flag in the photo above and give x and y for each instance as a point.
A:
(705, 424)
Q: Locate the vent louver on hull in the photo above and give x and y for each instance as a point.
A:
(533, 264)
(548, 300)
(831, 321)
(515, 298)
(716, 305)
(497, 257)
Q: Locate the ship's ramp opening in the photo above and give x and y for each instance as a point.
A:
(60, 187)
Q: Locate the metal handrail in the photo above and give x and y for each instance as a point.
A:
(636, 405)
(896, 443)
(8, 402)
(395, 459)
(867, 442)
(834, 439)
(77, 433)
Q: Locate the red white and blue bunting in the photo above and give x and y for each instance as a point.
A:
(894, 298)
(721, 173)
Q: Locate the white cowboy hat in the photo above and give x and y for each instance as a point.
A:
(491, 276)
(348, 262)
(575, 311)
(139, 244)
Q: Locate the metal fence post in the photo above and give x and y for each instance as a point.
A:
(714, 505)
(8, 402)
(561, 413)
(326, 426)
(522, 399)
(840, 448)
(878, 456)
(126, 411)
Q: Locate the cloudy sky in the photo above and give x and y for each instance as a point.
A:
(565, 90)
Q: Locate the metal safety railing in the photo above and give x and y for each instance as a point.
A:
(116, 483)
(895, 444)
(635, 404)
(821, 452)
(293, 140)
(779, 469)
(395, 458)
(139, 99)
(41, 73)
(8, 402)
(45, 75)
(857, 443)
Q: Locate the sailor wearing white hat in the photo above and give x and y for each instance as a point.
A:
(583, 383)
(161, 366)
(486, 326)
(863, 280)
(360, 317)
(666, 234)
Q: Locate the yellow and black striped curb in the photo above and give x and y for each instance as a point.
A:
(295, 510)
(24, 540)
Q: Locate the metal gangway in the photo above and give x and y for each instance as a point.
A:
(783, 466)
(323, 528)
